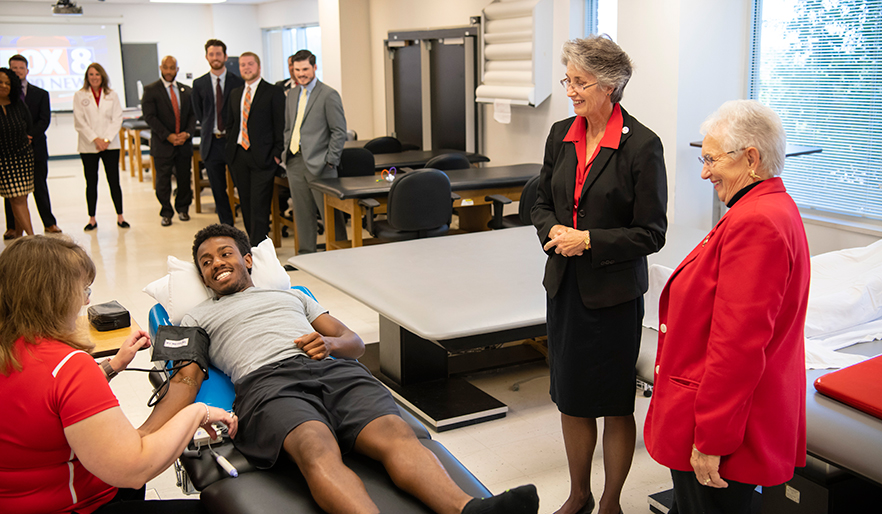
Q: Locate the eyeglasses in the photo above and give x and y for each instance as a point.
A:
(707, 160)
(566, 83)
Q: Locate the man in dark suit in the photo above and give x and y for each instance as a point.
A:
(210, 93)
(289, 83)
(37, 100)
(315, 131)
(256, 112)
(168, 109)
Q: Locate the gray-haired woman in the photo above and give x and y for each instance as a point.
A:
(600, 211)
(731, 356)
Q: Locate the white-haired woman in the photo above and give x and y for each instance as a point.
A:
(728, 408)
(600, 211)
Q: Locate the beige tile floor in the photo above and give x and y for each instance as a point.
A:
(524, 447)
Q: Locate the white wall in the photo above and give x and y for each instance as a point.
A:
(356, 86)
(690, 56)
(287, 13)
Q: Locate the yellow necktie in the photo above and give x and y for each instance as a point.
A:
(295, 135)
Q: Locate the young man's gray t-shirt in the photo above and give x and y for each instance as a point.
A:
(254, 327)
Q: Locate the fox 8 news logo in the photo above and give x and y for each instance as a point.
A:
(58, 62)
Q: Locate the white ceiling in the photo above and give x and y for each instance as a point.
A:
(87, 2)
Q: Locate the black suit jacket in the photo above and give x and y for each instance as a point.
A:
(37, 101)
(623, 207)
(160, 115)
(266, 123)
(204, 106)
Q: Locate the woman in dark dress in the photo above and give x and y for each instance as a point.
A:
(600, 211)
(16, 154)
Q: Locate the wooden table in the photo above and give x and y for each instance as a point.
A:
(471, 184)
(278, 220)
(106, 343)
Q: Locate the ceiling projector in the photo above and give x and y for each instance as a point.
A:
(67, 7)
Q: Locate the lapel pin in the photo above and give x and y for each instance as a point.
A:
(625, 130)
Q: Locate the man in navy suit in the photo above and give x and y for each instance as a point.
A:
(288, 84)
(168, 109)
(256, 111)
(210, 93)
(37, 100)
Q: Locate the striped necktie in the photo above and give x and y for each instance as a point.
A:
(246, 109)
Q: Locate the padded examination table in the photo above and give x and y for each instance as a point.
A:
(283, 488)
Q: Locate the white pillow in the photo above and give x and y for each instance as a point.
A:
(267, 272)
(182, 289)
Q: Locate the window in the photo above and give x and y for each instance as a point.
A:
(818, 64)
(280, 43)
(601, 17)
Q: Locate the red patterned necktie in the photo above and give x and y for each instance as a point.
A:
(176, 108)
(246, 109)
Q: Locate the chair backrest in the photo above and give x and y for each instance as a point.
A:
(385, 144)
(419, 200)
(528, 200)
(351, 135)
(449, 161)
(356, 162)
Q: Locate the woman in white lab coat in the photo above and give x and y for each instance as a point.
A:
(97, 118)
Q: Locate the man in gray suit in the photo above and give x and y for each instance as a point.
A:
(315, 130)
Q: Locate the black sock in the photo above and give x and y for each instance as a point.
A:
(520, 500)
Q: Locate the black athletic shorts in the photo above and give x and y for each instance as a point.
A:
(275, 399)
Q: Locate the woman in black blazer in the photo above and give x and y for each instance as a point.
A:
(597, 242)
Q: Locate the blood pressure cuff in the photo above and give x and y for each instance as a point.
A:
(176, 344)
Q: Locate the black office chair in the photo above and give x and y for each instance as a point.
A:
(523, 217)
(420, 205)
(449, 161)
(385, 144)
(356, 162)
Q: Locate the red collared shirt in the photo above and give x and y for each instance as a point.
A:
(96, 94)
(577, 134)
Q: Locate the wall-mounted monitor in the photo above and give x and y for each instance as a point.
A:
(58, 55)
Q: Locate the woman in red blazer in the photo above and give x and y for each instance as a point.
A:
(728, 407)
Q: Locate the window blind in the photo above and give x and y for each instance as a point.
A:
(820, 69)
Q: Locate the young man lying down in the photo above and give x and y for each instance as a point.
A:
(292, 397)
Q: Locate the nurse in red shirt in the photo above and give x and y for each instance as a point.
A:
(65, 445)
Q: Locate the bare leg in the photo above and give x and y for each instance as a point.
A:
(334, 487)
(22, 215)
(619, 438)
(580, 438)
(411, 465)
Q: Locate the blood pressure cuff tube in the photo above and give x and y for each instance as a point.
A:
(181, 344)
